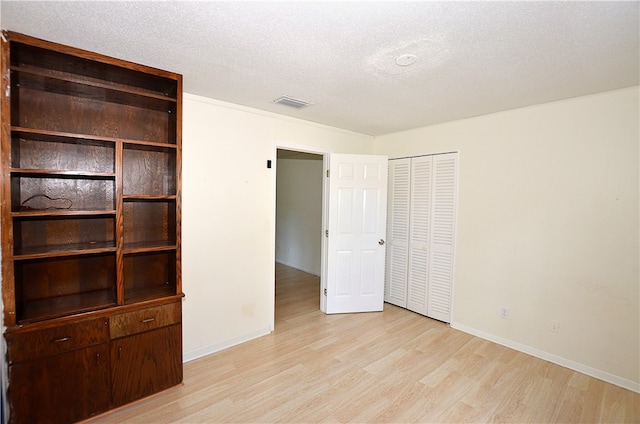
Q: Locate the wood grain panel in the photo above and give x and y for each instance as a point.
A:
(151, 273)
(149, 170)
(29, 345)
(149, 221)
(53, 111)
(72, 193)
(144, 320)
(61, 389)
(42, 278)
(145, 363)
(81, 65)
(30, 150)
(44, 234)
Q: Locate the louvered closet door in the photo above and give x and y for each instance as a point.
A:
(419, 234)
(444, 187)
(395, 288)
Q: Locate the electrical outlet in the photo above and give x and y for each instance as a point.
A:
(555, 327)
(504, 313)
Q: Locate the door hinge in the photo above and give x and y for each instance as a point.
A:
(327, 173)
(326, 233)
(325, 292)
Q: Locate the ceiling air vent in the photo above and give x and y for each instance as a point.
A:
(290, 101)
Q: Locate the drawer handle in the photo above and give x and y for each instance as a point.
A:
(64, 339)
(146, 320)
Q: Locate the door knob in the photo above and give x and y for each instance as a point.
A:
(381, 242)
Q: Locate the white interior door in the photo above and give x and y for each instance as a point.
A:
(356, 229)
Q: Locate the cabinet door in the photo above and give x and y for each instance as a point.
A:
(145, 363)
(63, 388)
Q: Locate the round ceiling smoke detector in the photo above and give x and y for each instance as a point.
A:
(406, 59)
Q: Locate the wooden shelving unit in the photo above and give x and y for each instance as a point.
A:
(91, 212)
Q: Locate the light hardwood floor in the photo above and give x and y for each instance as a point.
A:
(388, 367)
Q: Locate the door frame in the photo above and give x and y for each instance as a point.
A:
(286, 145)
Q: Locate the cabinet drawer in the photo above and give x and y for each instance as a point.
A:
(144, 320)
(34, 344)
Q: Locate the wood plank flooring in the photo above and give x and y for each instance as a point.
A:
(389, 367)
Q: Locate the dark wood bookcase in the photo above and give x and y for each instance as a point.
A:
(90, 215)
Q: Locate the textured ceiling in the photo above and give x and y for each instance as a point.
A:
(473, 58)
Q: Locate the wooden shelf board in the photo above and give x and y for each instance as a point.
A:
(43, 173)
(153, 246)
(146, 197)
(150, 293)
(44, 309)
(76, 249)
(47, 135)
(61, 213)
(86, 80)
(147, 145)
(69, 84)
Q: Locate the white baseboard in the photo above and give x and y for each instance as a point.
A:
(567, 363)
(298, 267)
(216, 347)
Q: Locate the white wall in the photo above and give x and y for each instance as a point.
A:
(299, 213)
(228, 216)
(548, 226)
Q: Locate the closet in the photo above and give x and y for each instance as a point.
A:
(421, 234)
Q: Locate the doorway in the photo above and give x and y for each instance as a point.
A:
(299, 215)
